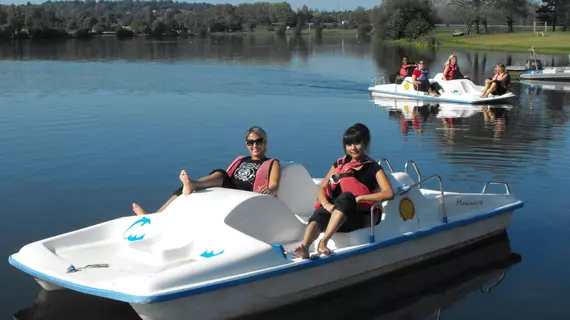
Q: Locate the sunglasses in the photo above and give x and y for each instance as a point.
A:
(250, 142)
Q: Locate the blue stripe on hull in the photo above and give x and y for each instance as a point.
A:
(262, 275)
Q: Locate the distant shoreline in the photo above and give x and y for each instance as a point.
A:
(113, 34)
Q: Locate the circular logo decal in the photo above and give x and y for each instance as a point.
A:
(407, 209)
(407, 86)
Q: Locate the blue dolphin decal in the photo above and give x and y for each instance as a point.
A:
(209, 254)
(141, 222)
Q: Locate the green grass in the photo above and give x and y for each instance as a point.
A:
(554, 42)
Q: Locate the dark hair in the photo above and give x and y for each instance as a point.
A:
(358, 133)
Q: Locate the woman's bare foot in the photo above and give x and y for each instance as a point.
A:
(301, 252)
(322, 248)
(187, 188)
(138, 210)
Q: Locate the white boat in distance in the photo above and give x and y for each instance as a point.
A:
(549, 73)
(455, 91)
(223, 253)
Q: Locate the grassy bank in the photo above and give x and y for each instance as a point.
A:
(552, 42)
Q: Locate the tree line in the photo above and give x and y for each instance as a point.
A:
(391, 19)
(159, 18)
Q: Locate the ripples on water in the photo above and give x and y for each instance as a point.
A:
(105, 123)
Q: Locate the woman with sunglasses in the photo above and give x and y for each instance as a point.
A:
(255, 172)
(420, 80)
(347, 193)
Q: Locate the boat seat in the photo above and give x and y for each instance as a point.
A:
(361, 236)
(297, 190)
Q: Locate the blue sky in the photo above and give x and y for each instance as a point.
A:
(313, 4)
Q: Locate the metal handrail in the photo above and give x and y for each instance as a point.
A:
(418, 184)
(415, 168)
(376, 204)
(507, 189)
(374, 82)
(387, 163)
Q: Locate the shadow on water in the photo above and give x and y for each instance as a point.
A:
(413, 292)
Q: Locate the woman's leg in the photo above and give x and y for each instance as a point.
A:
(215, 179)
(317, 222)
(337, 219)
(490, 90)
(345, 204)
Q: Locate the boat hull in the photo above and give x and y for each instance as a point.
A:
(272, 292)
(379, 92)
(462, 91)
(553, 73)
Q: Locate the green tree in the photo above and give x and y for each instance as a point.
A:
(392, 17)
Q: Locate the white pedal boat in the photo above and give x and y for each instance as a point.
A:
(221, 253)
(441, 110)
(454, 91)
(418, 290)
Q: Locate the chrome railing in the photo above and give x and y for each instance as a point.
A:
(377, 204)
(507, 189)
(415, 168)
(415, 185)
(442, 193)
(376, 81)
(387, 163)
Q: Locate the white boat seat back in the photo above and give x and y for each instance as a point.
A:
(398, 179)
(297, 190)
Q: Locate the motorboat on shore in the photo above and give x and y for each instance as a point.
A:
(412, 293)
(548, 73)
(454, 91)
(223, 253)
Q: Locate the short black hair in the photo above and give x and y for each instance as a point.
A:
(357, 134)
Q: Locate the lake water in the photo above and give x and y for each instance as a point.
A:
(88, 127)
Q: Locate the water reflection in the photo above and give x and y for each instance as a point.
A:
(546, 85)
(413, 293)
(267, 48)
(417, 116)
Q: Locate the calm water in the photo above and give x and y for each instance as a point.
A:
(88, 127)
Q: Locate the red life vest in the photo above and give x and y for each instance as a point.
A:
(262, 175)
(404, 69)
(504, 83)
(343, 176)
(452, 70)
